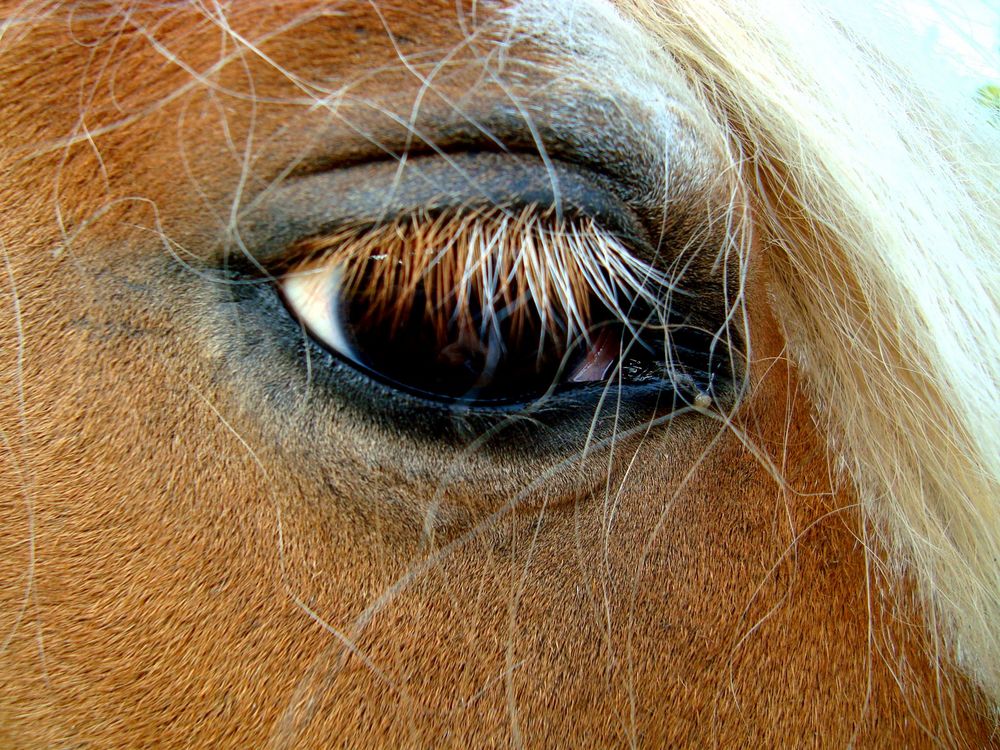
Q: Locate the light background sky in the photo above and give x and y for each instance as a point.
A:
(966, 32)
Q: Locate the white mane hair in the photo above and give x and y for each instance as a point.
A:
(874, 179)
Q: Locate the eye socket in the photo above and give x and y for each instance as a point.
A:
(485, 308)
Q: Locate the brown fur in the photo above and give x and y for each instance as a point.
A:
(194, 560)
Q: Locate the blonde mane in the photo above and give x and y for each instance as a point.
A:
(876, 204)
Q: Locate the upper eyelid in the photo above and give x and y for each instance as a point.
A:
(374, 194)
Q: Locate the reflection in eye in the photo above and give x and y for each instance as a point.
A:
(485, 306)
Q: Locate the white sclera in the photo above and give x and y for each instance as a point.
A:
(315, 298)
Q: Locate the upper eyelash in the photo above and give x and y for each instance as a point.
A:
(527, 268)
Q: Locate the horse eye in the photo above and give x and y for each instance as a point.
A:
(495, 313)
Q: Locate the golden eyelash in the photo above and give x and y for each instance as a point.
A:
(470, 269)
